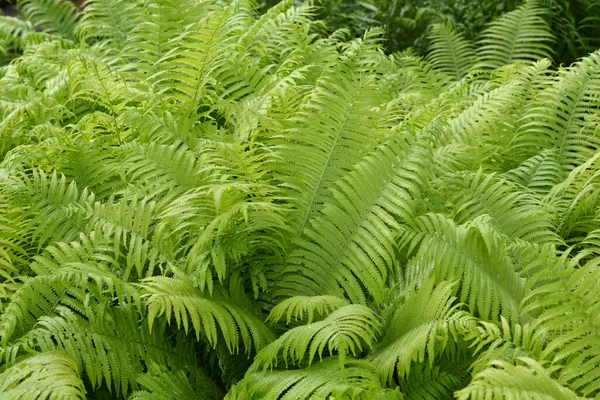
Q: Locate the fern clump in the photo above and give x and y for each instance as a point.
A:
(200, 201)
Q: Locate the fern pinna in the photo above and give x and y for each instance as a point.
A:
(201, 201)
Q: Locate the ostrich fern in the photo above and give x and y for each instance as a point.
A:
(200, 202)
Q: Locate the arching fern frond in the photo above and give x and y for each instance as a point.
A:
(517, 214)
(301, 307)
(93, 167)
(348, 248)
(216, 318)
(161, 172)
(474, 254)
(109, 343)
(437, 381)
(164, 383)
(539, 173)
(501, 341)
(46, 376)
(519, 35)
(450, 51)
(427, 322)
(58, 16)
(322, 148)
(560, 116)
(566, 297)
(527, 380)
(319, 381)
(109, 21)
(343, 332)
(48, 206)
(575, 201)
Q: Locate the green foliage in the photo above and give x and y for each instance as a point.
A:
(198, 200)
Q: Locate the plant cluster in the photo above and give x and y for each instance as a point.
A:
(198, 201)
(407, 23)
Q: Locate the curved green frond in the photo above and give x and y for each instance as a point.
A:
(450, 51)
(501, 341)
(566, 297)
(562, 116)
(45, 376)
(539, 173)
(517, 214)
(162, 172)
(319, 380)
(109, 21)
(58, 16)
(48, 206)
(344, 332)
(348, 249)
(421, 328)
(527, 380)
(475, 254)
(301, 307)
(216, 318)
(520, 35)
(109, 343)
(163, 383)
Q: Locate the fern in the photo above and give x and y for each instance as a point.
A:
(414, 335)
(179, 299)
(59, 16)
(199, 201)
(49, 375)
(520, 35)
(319, 380)
(343, 331)
(450, 51)
(528, 380)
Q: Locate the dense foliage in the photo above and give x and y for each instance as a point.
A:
(407, 23)
(198, 201)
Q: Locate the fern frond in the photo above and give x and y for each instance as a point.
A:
(317, 381)
(438, 381)
(181, 300)
(300, 307)
(560, 117)
(505, 342)
(348, 248)
(109, 21)
(517, 214)
(322, 147)
(12, 30)
(128, 224)
(566, 297)
(575, 200)
(539, 173)
(162, 172)
(109, 343)
(344, 332)
(450, 51)
(527, 380)
(47, 204)
(45, 376)
(163, 383)
(93, 78)
(475, 254)
(421, 327)
(58, 16)
(519, 35)
(93, 167)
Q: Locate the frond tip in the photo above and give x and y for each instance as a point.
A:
(300, 307)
